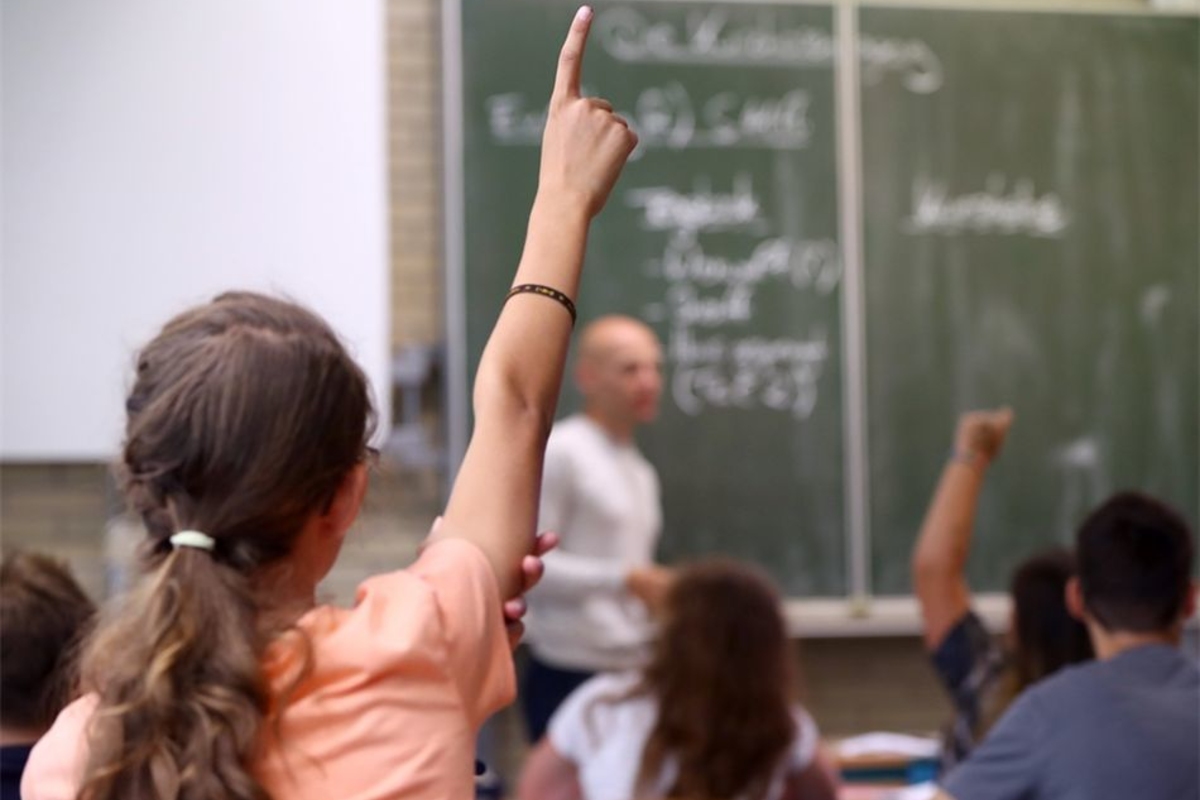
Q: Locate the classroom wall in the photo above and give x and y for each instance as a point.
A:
(156, 155)
(414, 149)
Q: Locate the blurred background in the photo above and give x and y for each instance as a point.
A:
(155, 154)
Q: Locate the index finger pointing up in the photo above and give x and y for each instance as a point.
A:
(570, 60)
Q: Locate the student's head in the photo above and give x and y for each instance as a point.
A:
(721, 664)
(248, 422)
(619, 371)
(1047, 636)
(43, 616)
(1135, 559)
(245, 420)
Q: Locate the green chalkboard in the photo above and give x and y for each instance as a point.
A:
(1030, 206)
(1031, 239)
(722, 234)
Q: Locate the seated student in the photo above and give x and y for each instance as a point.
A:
(711, 716)
(246, 451)
(1128, 724)
(43, 616)
(981, 677)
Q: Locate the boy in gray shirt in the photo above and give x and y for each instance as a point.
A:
(1127, 725)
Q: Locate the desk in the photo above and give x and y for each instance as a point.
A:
(877, 766)
(881, 792)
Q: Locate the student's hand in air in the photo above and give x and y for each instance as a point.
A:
(981, 434)
(585, 144)
(531, 572)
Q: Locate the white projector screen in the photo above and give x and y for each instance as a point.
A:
(155, 154)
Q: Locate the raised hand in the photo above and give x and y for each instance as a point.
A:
(981, 434)
(650, 584)
(584, 145)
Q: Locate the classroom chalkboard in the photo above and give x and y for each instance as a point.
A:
(1031, 240)
(1029, 213)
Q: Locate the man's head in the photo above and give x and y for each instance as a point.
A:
(43, 614)
(1134, 558)
(619, 372)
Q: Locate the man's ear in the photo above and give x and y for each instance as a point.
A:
(347, 501)
(1189, 602)
(1073, 594)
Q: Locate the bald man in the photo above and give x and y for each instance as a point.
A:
(592, 610)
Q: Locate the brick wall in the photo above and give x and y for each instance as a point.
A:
(414, 150)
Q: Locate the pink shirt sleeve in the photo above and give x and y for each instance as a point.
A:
(471, 618)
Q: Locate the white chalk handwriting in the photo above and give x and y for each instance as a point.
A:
(998, 209)
(709, 37)
(665, 208)
(763, 39)
(809, 264)
(668, 117)
(780, 374)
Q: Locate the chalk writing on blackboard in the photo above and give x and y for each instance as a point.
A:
(669, 117)
(763, 39)
(809, 264)
(715, 359)
(710, 37)
(780, 374)
(1000, 208)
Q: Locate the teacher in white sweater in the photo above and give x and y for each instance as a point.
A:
(592, 611)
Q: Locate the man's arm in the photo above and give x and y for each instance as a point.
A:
(940, 557)
(570, 576)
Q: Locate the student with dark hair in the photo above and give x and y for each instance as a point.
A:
(982, 676)
(1128, 724)
(43, 616)
(246, 452)
(712, 715)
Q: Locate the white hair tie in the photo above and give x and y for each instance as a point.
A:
(201, 541)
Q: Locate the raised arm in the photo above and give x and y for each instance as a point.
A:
(940, 557)
(494, 500)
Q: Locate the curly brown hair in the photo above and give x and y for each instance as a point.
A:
(723, 675)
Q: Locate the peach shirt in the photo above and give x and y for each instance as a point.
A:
(399, 687)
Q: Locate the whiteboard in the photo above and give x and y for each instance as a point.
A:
(155, 154)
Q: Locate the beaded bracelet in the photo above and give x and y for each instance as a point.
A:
(544, 291)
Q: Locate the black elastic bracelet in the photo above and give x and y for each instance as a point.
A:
(544, 291)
